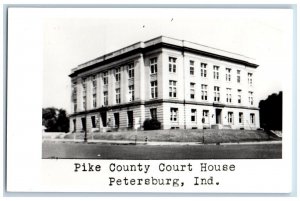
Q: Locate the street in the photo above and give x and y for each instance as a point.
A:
(80, 150)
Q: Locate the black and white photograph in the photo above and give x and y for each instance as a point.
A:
(178, 85)
(151, 99)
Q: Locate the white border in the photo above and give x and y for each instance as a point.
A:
(18, 97)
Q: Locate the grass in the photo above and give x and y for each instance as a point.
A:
(210, 136)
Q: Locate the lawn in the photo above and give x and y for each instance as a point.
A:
(194, 135)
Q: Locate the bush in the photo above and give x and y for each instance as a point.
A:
(152, 124)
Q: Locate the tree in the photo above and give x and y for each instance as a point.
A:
(62, 121)
(55, 120)
(271, 112)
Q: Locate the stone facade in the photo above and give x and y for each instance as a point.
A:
(182, 84)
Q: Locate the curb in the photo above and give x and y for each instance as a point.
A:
(117, 142)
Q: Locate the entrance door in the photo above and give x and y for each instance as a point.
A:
(205, 117)
(103, 118)
(218, 116)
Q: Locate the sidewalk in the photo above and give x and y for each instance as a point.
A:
(127, 142)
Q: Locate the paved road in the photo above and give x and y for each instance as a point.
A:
(81, 150)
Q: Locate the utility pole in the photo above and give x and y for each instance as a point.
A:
(85, 132)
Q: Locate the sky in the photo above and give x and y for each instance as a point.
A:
(74, 36)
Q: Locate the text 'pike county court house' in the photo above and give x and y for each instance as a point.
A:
(180, 83)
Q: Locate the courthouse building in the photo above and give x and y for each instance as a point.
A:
(182, 84)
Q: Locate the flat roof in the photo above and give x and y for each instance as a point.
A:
(172, 43)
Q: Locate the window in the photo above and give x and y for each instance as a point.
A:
(173, 114)
(130, 119)
(192, 67)
(118, 96)
(94, 101)
(172, 65)
(84, 93)
(228, 95)
(93, 118)
(130, 71)
(118, 74)
(153, 113)
(250, 75)
(230, 117)
(75, 106)
(153, 89)
(192, 90)
(252, 118)
(84, 86)
(241, 117)
(216, 72)
(105, 78)
(250, 97)
(203, 92)
(238, 76)
(239, 99)
(216, 94)
(117, 120)
(131, 93)
(105, 97)
(203, 70)
(74, 91)
(228, 75)
(83, 123)
(74, 96)
(94, 83)
(153, 65)
(74, 125)
(172, 89)
(193, 115)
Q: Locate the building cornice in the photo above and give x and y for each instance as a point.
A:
(211, 55)
(104, 62)
(162, 42)
(159, 101)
